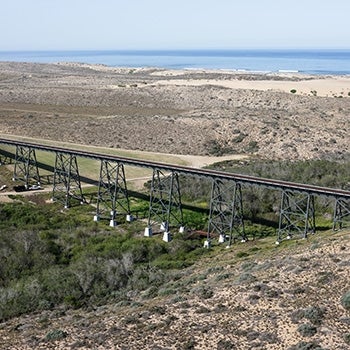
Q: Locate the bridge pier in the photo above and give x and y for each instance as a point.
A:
(341, 210)
(26, 167)
(66, 181)
(165, 203)
(297, 214)
(226, 212)
(112, 192)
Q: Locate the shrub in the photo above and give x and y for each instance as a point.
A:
(242, 254)
(246, 277)
(293, 91)
(306, 346)
(204, 292)
(314, 314)
(307, 330)
(346, 338)
(55, 334)
(225, 345)
(345, 300)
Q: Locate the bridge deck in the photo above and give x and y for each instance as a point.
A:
(244, 179)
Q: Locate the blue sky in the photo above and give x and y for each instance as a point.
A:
(176, 24)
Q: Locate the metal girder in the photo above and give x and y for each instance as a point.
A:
(297, 214)
(341, 211)
(112, 192)
(26, 167)
(165, 202)
(66, 181)
(226, 212)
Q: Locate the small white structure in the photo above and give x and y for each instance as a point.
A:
(163, 226)
(112, 223)
(207, 244)
(148, 232)
(129, 218)
(166, 237)
(222, 238)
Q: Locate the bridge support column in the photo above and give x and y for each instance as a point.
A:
(165, 203)
(112, 192)
(297, 214)
(226, 212)
(341, 211)
(26, 167)
(66, 181)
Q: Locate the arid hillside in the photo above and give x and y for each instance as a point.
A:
(252, 296)
(184, 112)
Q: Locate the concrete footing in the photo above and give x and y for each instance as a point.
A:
(166, 237)
(222, 238)
(148, 232)
(207, 244)
(112, 223)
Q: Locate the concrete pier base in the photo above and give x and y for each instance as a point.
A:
(166, 237)
(112, 223)
(148, 232)
(222, 238)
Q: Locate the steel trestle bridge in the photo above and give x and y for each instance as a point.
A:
(296, 213)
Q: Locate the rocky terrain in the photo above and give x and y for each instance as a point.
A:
(148, 109)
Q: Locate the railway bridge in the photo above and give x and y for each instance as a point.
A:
(296, 213)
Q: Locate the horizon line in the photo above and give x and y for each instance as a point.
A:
(181, 49)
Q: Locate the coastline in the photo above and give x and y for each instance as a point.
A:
(304, 61)
(283, 81)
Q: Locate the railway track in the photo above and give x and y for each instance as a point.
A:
(243, 179)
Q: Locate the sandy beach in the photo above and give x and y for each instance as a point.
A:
(327, 86)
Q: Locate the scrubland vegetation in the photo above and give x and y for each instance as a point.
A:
(51, 256)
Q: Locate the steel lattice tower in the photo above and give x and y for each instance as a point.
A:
(26, 167)
(112, 192)
(165, 203)
(66, 181)
(226, 212)
(297, 214)
(341, 210)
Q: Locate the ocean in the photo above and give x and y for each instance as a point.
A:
(331, 62)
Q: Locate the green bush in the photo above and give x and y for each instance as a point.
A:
(55, 334)
(307, 330)
(314, 314)
(345, 300)
(204, 292)
(306, 346)
(346, 338)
